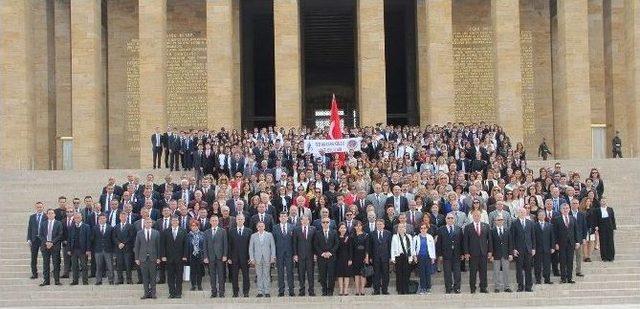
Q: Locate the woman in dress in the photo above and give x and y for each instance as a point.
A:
(344, 259)
(195, 242)
(424, 250)
(360, 257)
(605, 224)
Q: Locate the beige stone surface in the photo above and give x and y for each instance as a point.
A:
(372, 94)
(505, 17)
(222, 100)
(287, 60)
(436, 80)
(16, 86)
(572, 117)
(617, 115)
(632, 52)
(596, 62)
(152, 27)
(87, 99)
(62, 74)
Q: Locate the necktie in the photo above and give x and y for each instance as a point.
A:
(175, 232)
(379, 235)
(203, 222)
(69, 222)
(49, 230)
(121, 226)
(450, 229)
(477, 229)
(500, 232)
(566, 221)
(282, 227)
(523, 222)
(305, 232)
(412, 221)
(147, 235)
(240, 231)
(261, 217)
(102, 230)
(326, 234)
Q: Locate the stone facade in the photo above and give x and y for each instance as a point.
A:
(89, 77)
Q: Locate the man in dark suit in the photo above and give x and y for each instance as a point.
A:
(339, 210)
(283, 237)
(545, 246)
(106, 198)
(238, 260)
(161, 225)
(477, 248)
(102, 247)
(51, 239)
(502, 248)
(380, 247)
(175, 144)
(524, 248)
(449, 249)
(567, 240)
(165, 146)
(124, 236)
(262, 216)
(186, 150)
(399, 202)
(215, 255)
(156, 147)
(198, 163)
(33, 239)
(174, 251)
(147, 254)
(463, 164)
(325, 245)
(79, 246)
(303, 236)
(581, 222)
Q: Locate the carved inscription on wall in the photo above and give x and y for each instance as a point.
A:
(186, 80)
(473, 75)
(132, 111)
(528, 84)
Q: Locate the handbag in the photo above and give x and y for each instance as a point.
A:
(186, 273)
(367, 271)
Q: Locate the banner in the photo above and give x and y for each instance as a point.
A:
(315, 146)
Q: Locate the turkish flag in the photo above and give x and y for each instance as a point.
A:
(335, 129)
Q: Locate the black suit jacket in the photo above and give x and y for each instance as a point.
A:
(32, 227)
(450, 247)
(102, 242)
(79, 237)
(477, 245)
(174, 250)
(322, 244)
(268, 222)
(524, 239)
(582, 225)
(545, 238)
(404, 203)
(303, 247)
(380, 248)
(56, 232)
(239, 245)
(125, 235)
(502, 245)
(566, 236)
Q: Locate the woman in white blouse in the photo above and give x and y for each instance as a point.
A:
(401, 254)
(423, 247)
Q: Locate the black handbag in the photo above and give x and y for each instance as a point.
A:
(367, 271)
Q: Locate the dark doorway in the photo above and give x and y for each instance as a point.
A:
(400, 57)
(328, 32)
(258, 75)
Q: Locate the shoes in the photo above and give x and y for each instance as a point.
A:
(385, 293)
(528, 290)
(374, 293)
(65, 276)
(548, 282)
(44, 283)
(246, 295)
(200, 289)
(213, 296)
(312, 294)
(153, 296)
(520, 289)
(456, 291)
(193, 288)
(35, 276)
(484, 291)
(447, 291)
(58, 283)
(570, 281)
(144, 296)
(267, 295)
(280, 294)
(579, 275)
(538, 282)
(301, 294)
(292, 294)
(74, 283)
(507, 290)
(259, 295)
(98, 283)
(473, 291)
(496, 291)
(178, 296)
(171, 296)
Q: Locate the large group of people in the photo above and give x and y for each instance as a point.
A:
(416, 200)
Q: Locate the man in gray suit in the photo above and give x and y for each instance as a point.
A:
(474, 195)
(414, 216)
(215, 254)
(459, 217)
(377, 199)
(147, 254)
(500, 211)
(262, 253)
(283, 235)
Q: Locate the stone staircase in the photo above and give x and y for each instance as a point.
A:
(604, 284)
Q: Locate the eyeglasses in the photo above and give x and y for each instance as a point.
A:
(325, 222)
(349, 214)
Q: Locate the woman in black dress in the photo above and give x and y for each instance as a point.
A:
(360, 257)
(344, 259)
(605, 225)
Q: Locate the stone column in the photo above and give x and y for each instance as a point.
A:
(152, 27)
(372, 94)
(436, 95)
(632, 53)
(62, 34)
(87, 73)
(221, 101)
(16, 89)
(615, 112)
(572, 107)
(505, 18)
(286, 36)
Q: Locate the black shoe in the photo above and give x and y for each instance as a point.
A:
(548, 282)
(74, 283)
(484, 291)
(324, 293)
(563, 281)
(507, 290)
(447, 292)
(496, 291)
(34, 276)
(221, 296)
(153, 296)
(213, 296)
(120, 282)
(178, 296)
(292, 294)
(473, 291)
(200, 289)
(519, 290)
(259, 295)
(376, 292)
(44, 283)
(139, 282)
(588, 260)
(570, 281)
(235, 295)
(538, 282)
(58, 283)
(579, 275)
(98, 283)
(280, 294)
(528, 290)
(246, 295)
(144, 297)
(85, 282)
(193, 288)
(312, 294)
(383, 293)
(129, 281)
(171, 296)
(161, 282)
(65, 276)
(456, 291)
(267, 295)
(301, 294)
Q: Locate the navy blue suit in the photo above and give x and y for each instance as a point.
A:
(284, 255)
(381, 254)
